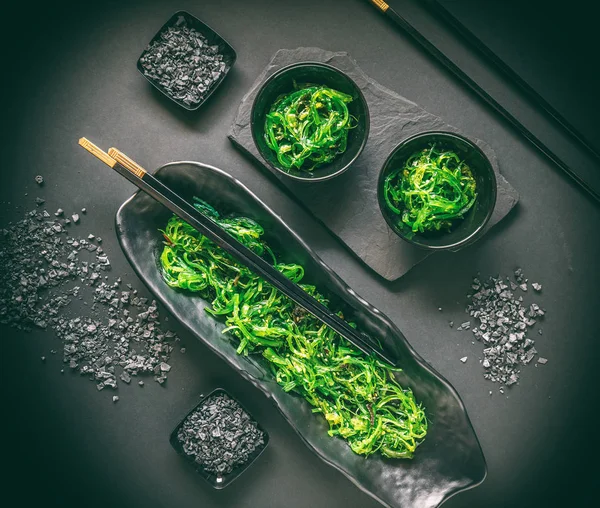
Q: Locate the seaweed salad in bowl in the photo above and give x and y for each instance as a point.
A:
(310, 121)
(309, 127)
(278, 352)
(437, 190)
(358, 395)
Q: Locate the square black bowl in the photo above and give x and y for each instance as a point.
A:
(218, 481)
(214, 39)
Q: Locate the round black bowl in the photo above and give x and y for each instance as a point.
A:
(284, 81)
(463, 231)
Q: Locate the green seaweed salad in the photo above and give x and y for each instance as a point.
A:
(357, 394)
(432, 190)
(308, 127)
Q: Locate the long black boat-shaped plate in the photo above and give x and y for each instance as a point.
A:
(449, 461)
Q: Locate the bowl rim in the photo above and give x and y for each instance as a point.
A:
(214, 86)
(477, 231)
(361, 98)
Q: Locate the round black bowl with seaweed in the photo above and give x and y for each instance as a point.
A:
(310, 121)
(437, 190)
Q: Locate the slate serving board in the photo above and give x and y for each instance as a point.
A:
(347, 205)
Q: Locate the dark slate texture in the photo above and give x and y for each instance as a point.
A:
(347, 205)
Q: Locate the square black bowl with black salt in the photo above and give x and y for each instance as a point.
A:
(219, 438)
(186, 60)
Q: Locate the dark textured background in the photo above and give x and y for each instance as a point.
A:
(551, 45)
(71, 71)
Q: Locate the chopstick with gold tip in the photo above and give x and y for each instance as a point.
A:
(403, 23)
(137, 175)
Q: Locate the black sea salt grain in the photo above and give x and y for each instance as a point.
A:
(42, 270)
(183, 63)
(219, 435)
(503, 326)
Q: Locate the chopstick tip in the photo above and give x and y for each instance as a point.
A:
(126, 162)
(381, 5)
(97, 152)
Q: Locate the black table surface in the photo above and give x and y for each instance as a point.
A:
(548, 46)
(70, 72)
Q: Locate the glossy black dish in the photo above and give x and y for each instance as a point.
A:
(217, 481)
(229, 55)
(285, 81)
(449, 461)
(464, 231)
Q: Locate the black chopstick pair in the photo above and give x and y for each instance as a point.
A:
(405, 25)
(186, 211)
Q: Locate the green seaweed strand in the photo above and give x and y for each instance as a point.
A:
(308, 127)
(358, 395)
(431, 191)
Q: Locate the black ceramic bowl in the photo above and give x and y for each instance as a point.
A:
(214, 39)
(284, 81)
(217, 481)
(463, 231)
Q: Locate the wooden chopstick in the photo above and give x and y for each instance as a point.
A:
(137, 175)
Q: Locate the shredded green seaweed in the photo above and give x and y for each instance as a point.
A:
(432, 190)
(357, 394)
(309, 127)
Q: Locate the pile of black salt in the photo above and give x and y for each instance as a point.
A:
(183, 63)
(504, 325)
(44, 266)
(220, 436)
